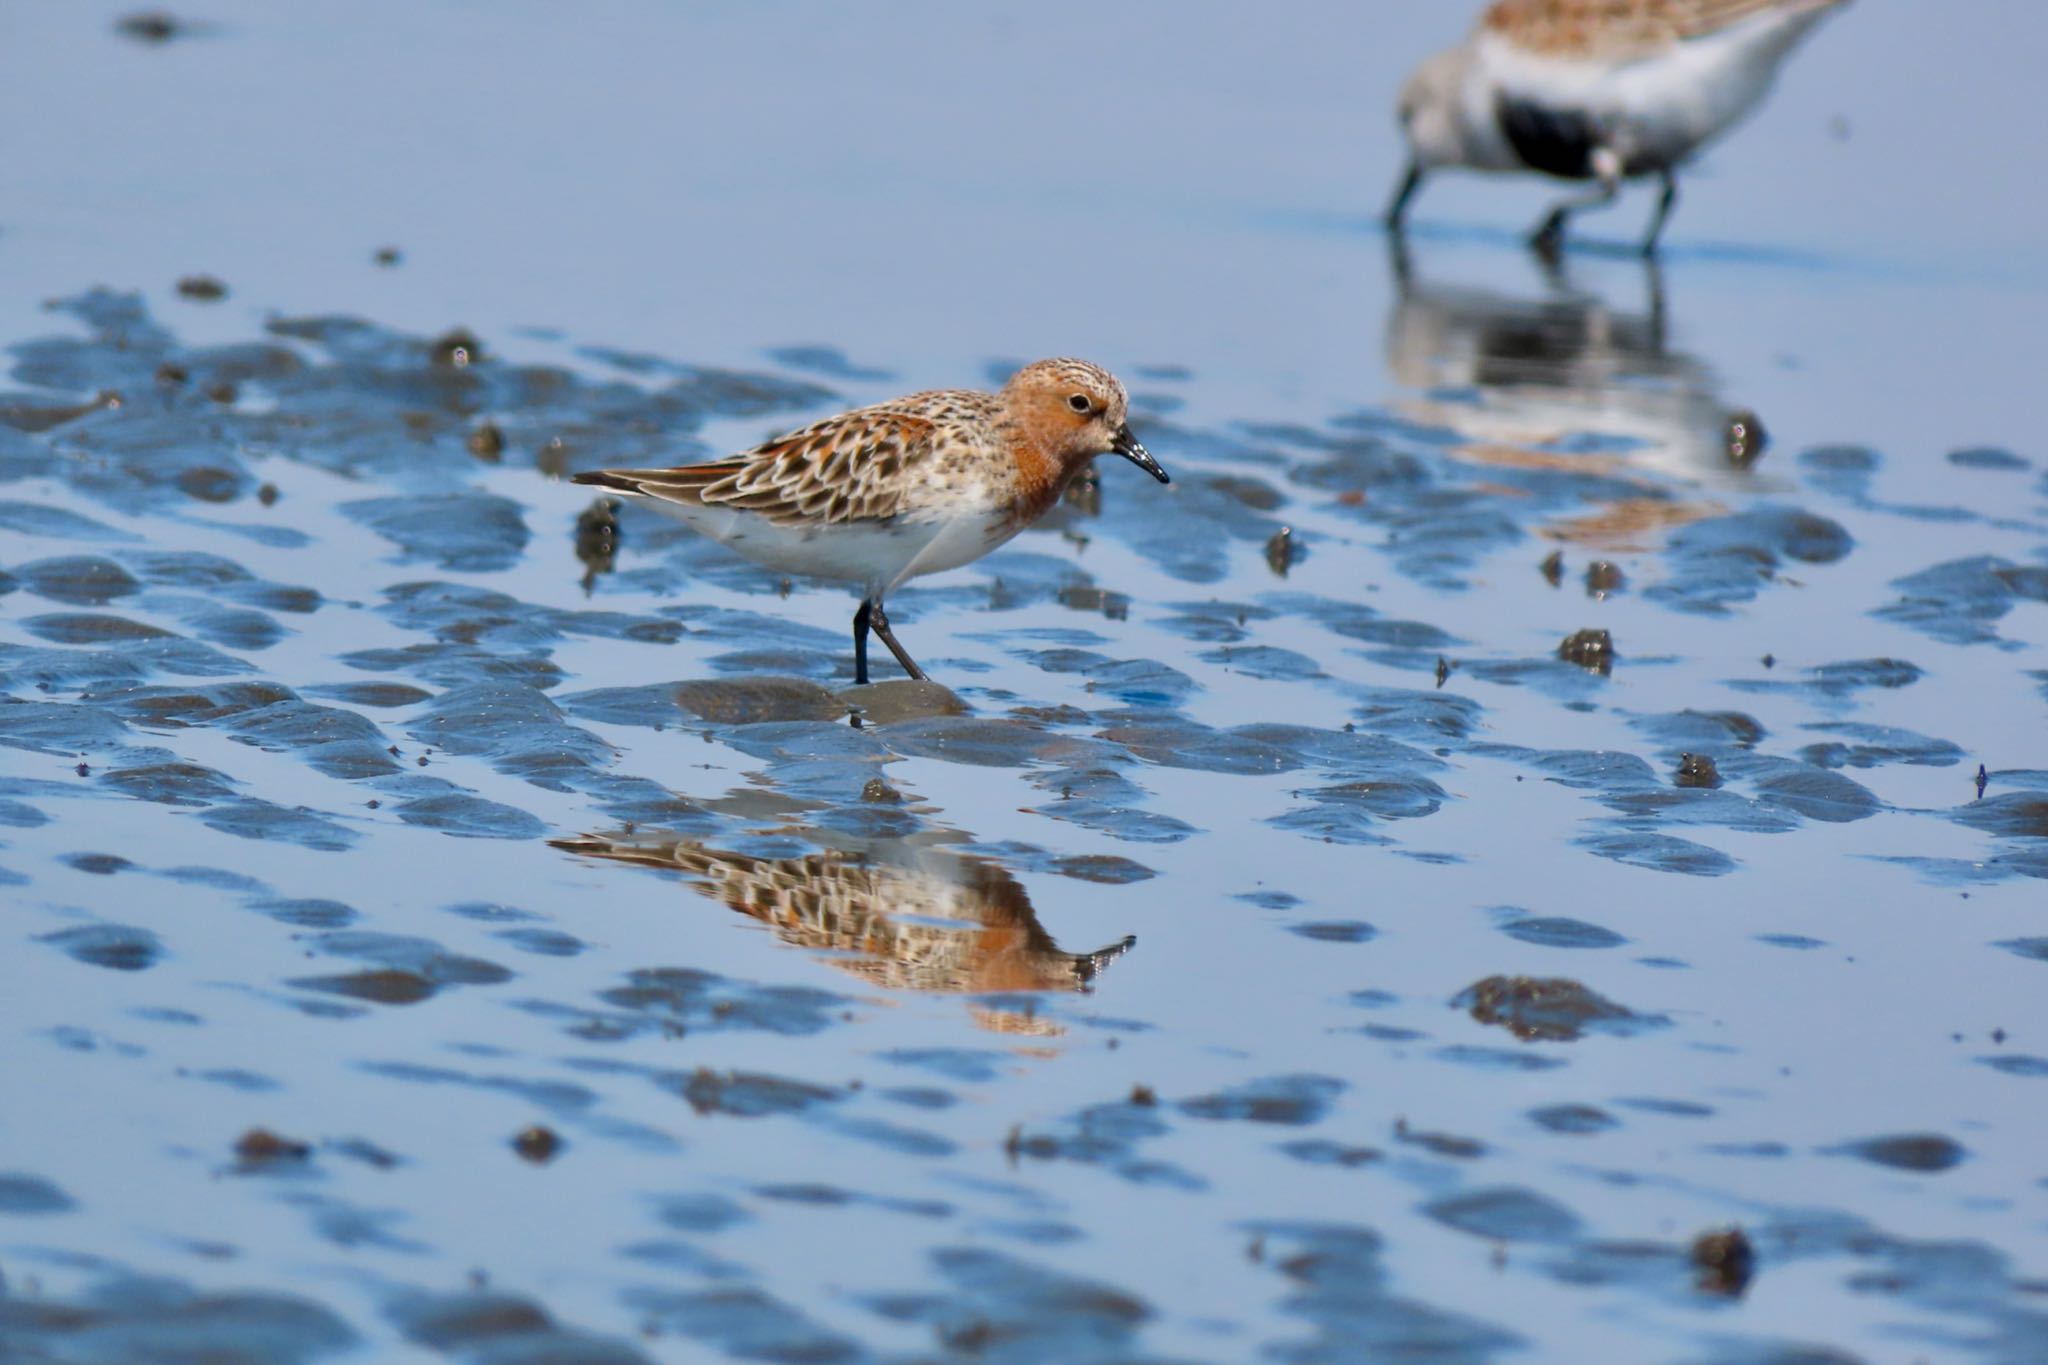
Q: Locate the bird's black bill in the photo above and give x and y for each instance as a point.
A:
(1127, 446)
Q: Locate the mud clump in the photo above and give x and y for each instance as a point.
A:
(1697, 770)
(202, 288)
(261, 1147)
(1592, 650)
(1604, 577)
(539, 1144)
(149, 26)
(1282, 551)
(1744, 439)
(456, 349)
(387, 256)
(1725, 1261)
(1539, 1009)
(597, 539)
(880, 793)
(1552, 568)
(486, 441)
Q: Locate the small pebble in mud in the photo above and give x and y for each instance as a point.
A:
(552, 459)
(387, 256)
(1592, 650)
(597, 539)
(83, 770)
(1281, 551)
(205, 288)
(262, 1145)
(221, 391)
(1745, 439)
(148, 26)
(1725, 1260)
(1553, 567)
(170, 374)
(1983, 781)
(538, 1144)
(486, 441)
(266, 493)
(1144, 1096)
(456, 349)
(1769, 661)
(1697, 770)
(881, 793)
(1603, 576)
(1443, 673)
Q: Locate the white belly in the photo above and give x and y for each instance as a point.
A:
(1662, 109)
(874, 555)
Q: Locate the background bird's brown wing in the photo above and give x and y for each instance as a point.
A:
(844, 469)
(1618, 27)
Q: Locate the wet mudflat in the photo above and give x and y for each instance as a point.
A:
(1533, 846)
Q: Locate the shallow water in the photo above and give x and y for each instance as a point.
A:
(442, 920)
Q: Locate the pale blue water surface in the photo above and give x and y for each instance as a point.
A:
(330, 772)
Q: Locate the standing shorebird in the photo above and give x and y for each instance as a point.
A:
(1601, 90)
(883, 494)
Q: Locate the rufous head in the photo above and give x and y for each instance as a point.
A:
(1077, 411)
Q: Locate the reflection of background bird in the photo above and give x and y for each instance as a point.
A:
(908, 915)
(1523, 376)
(1599, 90)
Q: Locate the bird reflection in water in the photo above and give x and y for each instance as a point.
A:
(1566, 380)
(906, 914)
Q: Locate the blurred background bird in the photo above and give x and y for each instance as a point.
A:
(1596, 90)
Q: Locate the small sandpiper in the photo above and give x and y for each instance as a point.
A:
(1601, 90)
(886, 493)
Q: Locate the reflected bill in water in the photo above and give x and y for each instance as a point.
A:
(903, 913)
(1570, 380)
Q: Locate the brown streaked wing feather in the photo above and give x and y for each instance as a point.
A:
(844, 469)
(1620, 27)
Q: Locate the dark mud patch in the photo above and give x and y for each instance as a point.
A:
(1548, 1009)
(1918, 1153)
(124, 1318)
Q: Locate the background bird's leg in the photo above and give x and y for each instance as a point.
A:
(1397, 211)
(1400, 263)
(879, 619)
(1665, 202)
(1653, 276)
(860, 643)
(1548, 239)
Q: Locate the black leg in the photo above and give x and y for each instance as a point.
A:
(1548, 238)
(879, 619)
(1397, 211)
(1653, 274)
(860, 643)
(1665, 203)
(1400, 262)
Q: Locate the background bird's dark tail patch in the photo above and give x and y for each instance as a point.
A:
(1556, 142)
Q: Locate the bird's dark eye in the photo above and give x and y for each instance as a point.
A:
(1081, 402)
